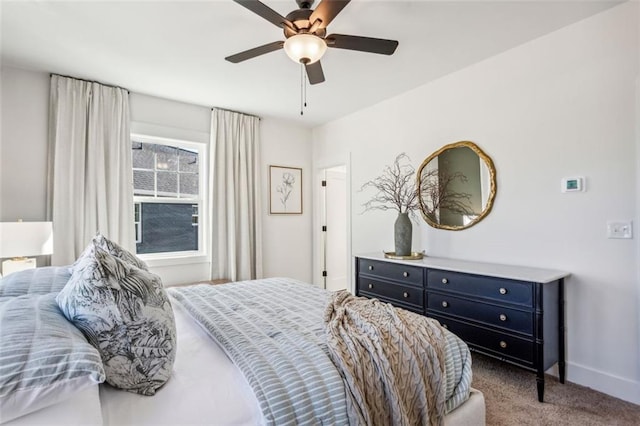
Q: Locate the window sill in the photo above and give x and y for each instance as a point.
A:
(173, 259)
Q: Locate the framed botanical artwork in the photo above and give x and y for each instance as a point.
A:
(285, 190)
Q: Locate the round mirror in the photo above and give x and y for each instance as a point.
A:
(456, 186)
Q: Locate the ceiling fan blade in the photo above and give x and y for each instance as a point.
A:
(267, 13)
(327, 10)
(363, 44)
(256, 51)
(314, 72)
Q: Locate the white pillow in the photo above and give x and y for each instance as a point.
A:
(125, 313)
(44, 359)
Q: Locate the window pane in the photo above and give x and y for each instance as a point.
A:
(188, 161)
(143, 182)
(166, 158)
(167, 184)
(167, 227)
(142, 155)
(166, 172)
(188, 184)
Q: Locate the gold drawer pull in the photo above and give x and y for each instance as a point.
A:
(405, 294)
(371, 267)
(445, 304)
(445, 281)
(370, 286)
(503, 317)
(405, 274)
(503, 290)
(503, 344)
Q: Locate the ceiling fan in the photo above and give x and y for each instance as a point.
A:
(306, 38)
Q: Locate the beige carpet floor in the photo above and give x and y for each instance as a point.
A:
(511, 399)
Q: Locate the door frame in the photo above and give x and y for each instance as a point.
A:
(319, 219)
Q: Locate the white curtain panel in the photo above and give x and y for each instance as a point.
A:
(90, 174)
(235, 201)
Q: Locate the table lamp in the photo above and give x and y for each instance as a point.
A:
(21, 239)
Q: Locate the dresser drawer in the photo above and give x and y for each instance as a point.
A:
(405, 274)
(494, 342)
(498, 289)
(391, 292)
(492, 315)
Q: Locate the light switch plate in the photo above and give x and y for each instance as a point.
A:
(619, 229)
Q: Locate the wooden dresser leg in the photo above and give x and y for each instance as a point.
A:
(562, 331)
(540, 383)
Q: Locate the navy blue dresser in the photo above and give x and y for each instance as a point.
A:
(514, 314)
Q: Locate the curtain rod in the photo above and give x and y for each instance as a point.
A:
(238, 112)
(90, 81)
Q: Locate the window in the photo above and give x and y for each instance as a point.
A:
(167, 189)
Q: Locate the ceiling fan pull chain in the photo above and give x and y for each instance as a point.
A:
(304, 76)
(301, 87)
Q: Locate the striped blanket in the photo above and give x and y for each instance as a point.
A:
(273, 330)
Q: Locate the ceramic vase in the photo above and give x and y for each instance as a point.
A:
(403, 231)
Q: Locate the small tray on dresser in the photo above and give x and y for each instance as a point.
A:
(415, 255)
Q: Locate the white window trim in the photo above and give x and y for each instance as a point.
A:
(137, 223)
(191, 256)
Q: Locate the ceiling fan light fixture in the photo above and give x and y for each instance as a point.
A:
(305, 48)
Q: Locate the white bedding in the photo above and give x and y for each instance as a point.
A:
(208, 389)
(81, 410)
(205, 388)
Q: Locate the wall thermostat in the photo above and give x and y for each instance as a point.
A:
(573, 184)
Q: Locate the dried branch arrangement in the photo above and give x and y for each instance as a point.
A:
(396, 188)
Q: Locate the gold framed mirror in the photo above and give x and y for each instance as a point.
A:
(456, 186)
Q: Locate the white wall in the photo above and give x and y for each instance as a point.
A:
(23, 164)
(637, 223)
(287, 238)
(23, 154)
(561, 105)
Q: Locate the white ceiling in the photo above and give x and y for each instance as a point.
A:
(176, 49)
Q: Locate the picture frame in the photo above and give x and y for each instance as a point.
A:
(285, 190)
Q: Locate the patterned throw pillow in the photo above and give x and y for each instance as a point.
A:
(112, 248)
(125, 313)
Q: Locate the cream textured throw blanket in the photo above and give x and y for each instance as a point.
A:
(392, 361)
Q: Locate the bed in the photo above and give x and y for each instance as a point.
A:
(205, 386)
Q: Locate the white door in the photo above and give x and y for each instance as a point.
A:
(335, 247)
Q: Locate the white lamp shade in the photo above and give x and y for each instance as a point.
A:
(305, 48)
(21, 239)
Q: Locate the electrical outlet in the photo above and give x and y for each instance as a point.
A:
(619, 229)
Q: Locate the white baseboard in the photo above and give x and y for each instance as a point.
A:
(619, 387)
